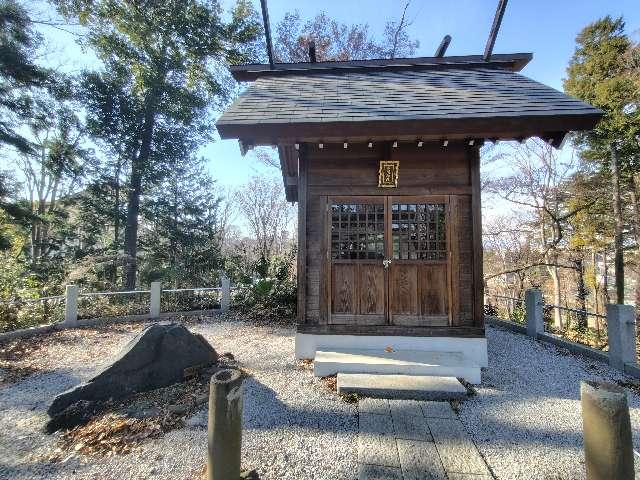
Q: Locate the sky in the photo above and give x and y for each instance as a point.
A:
(544, 27)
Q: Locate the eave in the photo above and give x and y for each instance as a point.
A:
(513, 61)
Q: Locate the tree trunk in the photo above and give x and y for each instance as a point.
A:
(619, 225)
(605, 278)
(138, 164)
(581, 293)
(633, 188)
(555, 277)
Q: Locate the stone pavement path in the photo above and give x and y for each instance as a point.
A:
(411, 440)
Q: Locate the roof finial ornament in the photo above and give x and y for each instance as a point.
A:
(312, 51)
(497, 20)
(442, 48)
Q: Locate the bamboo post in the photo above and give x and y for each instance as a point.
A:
(608, 447)
(225, 425)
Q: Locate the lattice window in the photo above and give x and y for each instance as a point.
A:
(418, 231)
(357, 231)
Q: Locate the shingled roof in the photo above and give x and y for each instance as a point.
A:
(449, 100)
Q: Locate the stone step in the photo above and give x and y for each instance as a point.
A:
(402, 387)
(397, 362)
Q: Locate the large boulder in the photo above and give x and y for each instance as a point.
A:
(154, 358)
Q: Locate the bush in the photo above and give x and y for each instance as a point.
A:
(272, 298)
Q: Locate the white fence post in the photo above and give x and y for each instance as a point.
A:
(154, 301)
(621, 330)
(534, 312)
(225, 298)
(71, 306)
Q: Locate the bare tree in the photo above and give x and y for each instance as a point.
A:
(268, 215)
(336, 41)
(538, 186)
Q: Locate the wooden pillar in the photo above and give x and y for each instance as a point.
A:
(476, 212)
(302, 233)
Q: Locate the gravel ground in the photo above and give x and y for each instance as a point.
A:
(526, 419)
(294, 427)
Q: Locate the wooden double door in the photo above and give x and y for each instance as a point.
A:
(389, 260)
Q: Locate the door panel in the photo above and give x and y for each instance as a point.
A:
(404, 289)
(358, 278)
(389, 261)
(419, 286)
(344, 288)
(373, 289)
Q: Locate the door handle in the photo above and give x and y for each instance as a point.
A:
(386, 262)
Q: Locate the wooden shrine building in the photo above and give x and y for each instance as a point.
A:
(382, 157)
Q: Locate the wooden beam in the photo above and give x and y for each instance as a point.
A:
(302, 234)
(312, 52)
(336, 329)
(442, 48)
(497, 20)
(267, 33)
(476, 215)
(485, 126)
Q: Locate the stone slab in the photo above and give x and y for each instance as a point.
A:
(378, 472)
(405, 407)
(396, 362)
(378, 424)
(416, 387)
(376, 449)
(411, 427)
(457, 451)
(379, 406)
(438, 410)
(468, 476)
(420, 461)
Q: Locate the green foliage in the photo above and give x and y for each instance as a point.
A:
(18, 73)
(601, 72)
(180, 245)
(272, 298)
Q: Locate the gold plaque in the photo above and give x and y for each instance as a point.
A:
(388, 173)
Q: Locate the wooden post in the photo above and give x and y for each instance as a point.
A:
(71, 306)
(608, 447)
(154, 304)
(225, 425)
(225, 297)
(534, 312)
(621, 330)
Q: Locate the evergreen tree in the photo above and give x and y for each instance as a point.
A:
(166, 60)
(18, 73)
(180, 240)
(599, 73)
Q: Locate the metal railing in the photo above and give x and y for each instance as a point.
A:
(581, 326)
(31, 312)
(74, 306)
(190, 299)
(112, 304)
(505, 307)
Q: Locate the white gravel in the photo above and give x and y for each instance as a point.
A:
(294, 427)
(526, 419)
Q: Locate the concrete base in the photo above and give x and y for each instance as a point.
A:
(475, 349)
(401, 362)
(403, 387)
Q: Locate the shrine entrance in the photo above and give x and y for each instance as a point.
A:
(389, 260)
